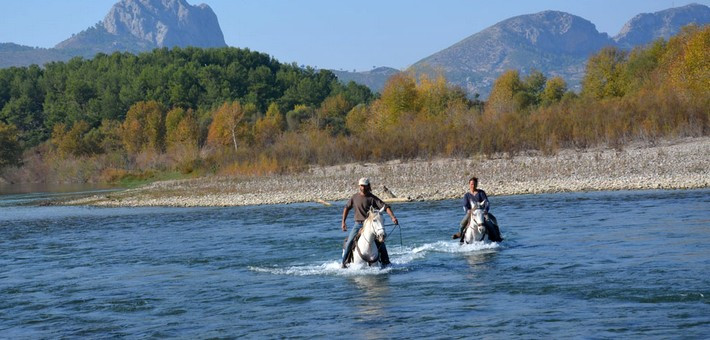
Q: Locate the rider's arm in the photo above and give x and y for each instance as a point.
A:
(389, 212)
(346, 210)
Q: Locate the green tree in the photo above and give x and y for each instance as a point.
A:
(555, 88)
(603, 74)
(10, 148)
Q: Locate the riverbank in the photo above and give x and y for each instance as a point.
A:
(678, 164)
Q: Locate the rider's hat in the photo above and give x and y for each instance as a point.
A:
(364, 181)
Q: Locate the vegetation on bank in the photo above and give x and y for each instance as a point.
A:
(233, 111)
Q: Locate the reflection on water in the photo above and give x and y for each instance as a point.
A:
(480, 260)
(370, 308)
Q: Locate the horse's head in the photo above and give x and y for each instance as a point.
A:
(374, 218)
(477, 215)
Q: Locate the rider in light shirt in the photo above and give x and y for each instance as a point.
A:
(361, 202)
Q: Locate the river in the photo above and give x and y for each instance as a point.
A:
(590, 265)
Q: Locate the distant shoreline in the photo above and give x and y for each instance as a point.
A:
(676, 164)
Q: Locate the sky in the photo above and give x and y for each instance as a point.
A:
(355, 35)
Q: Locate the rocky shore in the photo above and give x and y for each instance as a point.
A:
(678, 164)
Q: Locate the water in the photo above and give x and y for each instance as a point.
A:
(590, 265)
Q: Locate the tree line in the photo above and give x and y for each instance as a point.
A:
(233, 111)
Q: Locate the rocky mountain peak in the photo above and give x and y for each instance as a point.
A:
(644, 28)
(145, 24)
(555, 31)
(165, 23)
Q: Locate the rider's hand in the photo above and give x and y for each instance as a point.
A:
(345, 227)
(395, 221)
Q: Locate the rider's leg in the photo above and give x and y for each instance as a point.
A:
(349, 244)
(384, 256)
(463, 224)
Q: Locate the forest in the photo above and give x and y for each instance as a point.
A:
(192, 112)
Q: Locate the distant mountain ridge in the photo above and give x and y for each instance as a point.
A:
(646, 27)
(555, 43)
(374, 79)
(131, 26)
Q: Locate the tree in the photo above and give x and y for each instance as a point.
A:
(502, 97)
(10, 148)
(181, 128)
(79, 140)
(398, 96)
(331, 113)
(603, 74)
(555, 88)
(268, 128)
(225, 121)
(690, 69)
(144, 127)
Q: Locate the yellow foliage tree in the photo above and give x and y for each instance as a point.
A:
(502, 97)
(144, 127)
(555, 88)
(398, 96)
(691, 68)
(603, 77)
(268, 128)
(225, 122)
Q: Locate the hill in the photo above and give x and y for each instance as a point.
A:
(130, 26)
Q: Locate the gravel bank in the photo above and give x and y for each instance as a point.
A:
(678, 164)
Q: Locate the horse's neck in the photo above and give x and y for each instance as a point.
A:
(368, 231)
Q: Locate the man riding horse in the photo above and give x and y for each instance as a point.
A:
(362, 202)
(478, 196)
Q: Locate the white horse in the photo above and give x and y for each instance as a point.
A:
(373, 228)
(476, 231)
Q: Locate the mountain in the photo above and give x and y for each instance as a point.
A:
(647, 27)
(374, 79)
(130, 26)
(555, 43)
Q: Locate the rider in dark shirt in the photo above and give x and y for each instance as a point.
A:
(474, 195)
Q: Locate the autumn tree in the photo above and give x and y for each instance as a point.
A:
(144, 127)
(331, 113)
(502, 97)
(225, 122)
(398, 96)
(356, 120)
(603, 74)
(79, 140)
(181, 128)
(268, 128)
(555, 88)
(689, 60)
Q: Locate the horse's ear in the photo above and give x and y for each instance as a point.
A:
(383, 208)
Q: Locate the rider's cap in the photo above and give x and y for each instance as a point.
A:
(364, 181)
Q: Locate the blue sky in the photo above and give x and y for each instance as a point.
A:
(335, 34)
